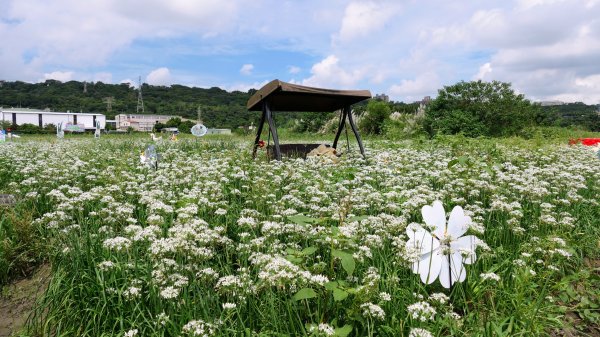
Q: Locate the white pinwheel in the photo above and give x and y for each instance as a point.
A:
(441, 250)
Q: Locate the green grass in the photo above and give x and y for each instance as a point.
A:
(225, 229)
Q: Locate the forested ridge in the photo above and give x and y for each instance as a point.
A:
(220, 108)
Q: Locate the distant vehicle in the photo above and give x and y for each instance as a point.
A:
(171, 130)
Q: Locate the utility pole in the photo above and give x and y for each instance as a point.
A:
(140, 103)
(109, 101)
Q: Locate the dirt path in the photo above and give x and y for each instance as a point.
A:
(17, 299)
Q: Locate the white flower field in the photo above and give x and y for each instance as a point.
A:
(213, 243)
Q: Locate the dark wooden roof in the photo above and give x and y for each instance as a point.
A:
(284, 96)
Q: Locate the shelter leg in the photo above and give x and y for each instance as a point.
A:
(355, 130)
(258, 132)
(340, 128)
(273, 129)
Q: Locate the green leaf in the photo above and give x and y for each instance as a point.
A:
(352, 290)
(343, 331)
(304, 293)
(309, 250)
(452, 163)
(463, 159)
(347, 260)
(331, 285)
(337, 253)
(302, 219)
(357, 218)
(291, 251)
(339, 294)
(348, 264)
(293, 259)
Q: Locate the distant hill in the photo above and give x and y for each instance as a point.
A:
(572, 114)
(219, 108)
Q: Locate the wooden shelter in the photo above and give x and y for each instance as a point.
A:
(281, 96)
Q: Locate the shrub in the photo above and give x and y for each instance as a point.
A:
(374, 118)
(479, 109)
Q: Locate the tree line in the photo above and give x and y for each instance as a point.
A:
(473, 108)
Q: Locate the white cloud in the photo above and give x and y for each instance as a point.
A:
(425, 84)
(328, 73)
(247, 69)
(484, 70)
(104, 77)
(82, 34)
(63, 76)
(160, 76)
(244, 87)
(361, 18)
(544, 47)
(293, 70)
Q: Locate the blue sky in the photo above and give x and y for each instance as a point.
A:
(548, 49)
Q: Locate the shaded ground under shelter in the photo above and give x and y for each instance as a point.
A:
(281, 96)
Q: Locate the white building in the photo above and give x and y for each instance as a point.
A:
(18, 116)
(140, 122)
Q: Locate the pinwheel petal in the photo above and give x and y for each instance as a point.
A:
(435, 217)
(466, 243)
(458, 222)
(423, 242)
(445, 273)
(412, 229)
(429, 267)
(452, 270)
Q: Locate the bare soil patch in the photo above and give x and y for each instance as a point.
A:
(18, 298)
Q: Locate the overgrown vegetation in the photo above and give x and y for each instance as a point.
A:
(214, 243)
(471, 108)
(479, 109)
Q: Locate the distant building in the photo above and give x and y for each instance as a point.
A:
(140, 122)
(382, 97)
(19, 116)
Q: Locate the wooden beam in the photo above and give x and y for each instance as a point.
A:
(269, 116)
(258, 132)
(340, 127)
(355, 130)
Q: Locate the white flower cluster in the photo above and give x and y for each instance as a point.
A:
(199, 328)
(323, 329)
(421, 311)
(118, 243)
(490, 276)
(419, 332)
(373, 311)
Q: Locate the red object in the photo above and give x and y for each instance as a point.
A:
(585, 141)
(261, 143)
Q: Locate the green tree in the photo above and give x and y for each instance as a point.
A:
(173, 122)
(479, 108)
(186, 126)
(159, 126)
(373, 119)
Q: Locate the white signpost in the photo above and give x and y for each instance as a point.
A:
(60, 133)
(199, 129)
(97, 132)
